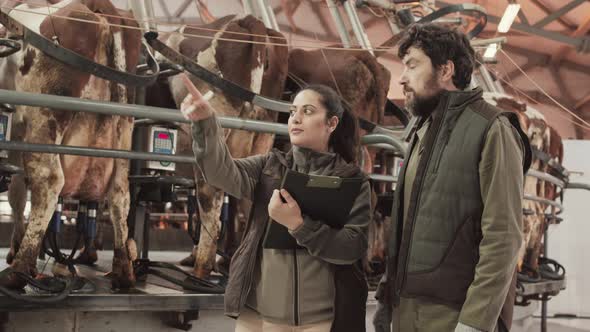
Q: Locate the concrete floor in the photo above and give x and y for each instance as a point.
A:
(209, 321)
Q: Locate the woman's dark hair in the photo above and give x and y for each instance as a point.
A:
(441, 44)
(345, 138)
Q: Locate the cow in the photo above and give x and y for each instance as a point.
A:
(252, 65)
(356, 75)
(49, 176)
(543, 138)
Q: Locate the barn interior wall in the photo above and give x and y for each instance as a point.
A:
(568, 242)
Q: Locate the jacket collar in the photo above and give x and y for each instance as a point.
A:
(461, 98)
(320, 160)
(310, 160)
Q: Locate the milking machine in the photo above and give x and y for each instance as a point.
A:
(6, 169)
(151, 184)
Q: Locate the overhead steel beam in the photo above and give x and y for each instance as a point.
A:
(522, 17)
(551, 35)
(558, 13)
(182, 8)
(577, 43)
(566, 23)
(340, 26)
(517, 72)
(582, 102)
(164, 8)
(581, 31)
(544, 58)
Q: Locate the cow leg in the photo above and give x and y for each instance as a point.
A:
(211, 200)
(46, 181)
(125, 251)
(17, 191)
(17, 198)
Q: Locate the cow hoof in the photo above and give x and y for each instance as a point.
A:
(12, 253)
(87, 257)
(10, 256)
(188, 261)
(122, 274)
(9, 279)
(120, 282)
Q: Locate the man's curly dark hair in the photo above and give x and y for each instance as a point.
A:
(441, 44)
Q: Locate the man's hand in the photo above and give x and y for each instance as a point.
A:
(287, 214)
(195, 106)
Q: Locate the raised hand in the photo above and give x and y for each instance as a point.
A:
(195, 106)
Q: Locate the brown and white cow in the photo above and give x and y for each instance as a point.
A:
(544, 138)
(49, 176)
(250, 64)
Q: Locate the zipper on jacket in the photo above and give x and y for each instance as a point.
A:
(440, 154)
(248, 279)
(295, 289)
(412, 224)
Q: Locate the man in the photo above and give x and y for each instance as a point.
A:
(456, 221)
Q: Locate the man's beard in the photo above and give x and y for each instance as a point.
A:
(424, 105)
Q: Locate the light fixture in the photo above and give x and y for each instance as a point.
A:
(508, 17)
(490, 52)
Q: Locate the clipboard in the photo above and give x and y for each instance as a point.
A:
(328, 199)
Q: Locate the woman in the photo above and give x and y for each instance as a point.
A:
(318, 288)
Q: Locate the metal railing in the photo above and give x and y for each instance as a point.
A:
(154, 113)
(546, 177)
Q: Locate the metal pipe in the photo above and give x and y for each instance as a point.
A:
(383, 178)
(382, 4)
(264, 13)
(386, 146)
(110, 108)
(547, 177)
(248, 8)
(488, 41)
(393, 26)
(135, 155)
(340, 27)
(396, 143)
(93, 152)
(273, 18)
(139, 10)
(455, 21)
(162, 114)
(577, 185)
(357, 26)
(149, 9)
(485, 75)
(543, 201)
(499, 87)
